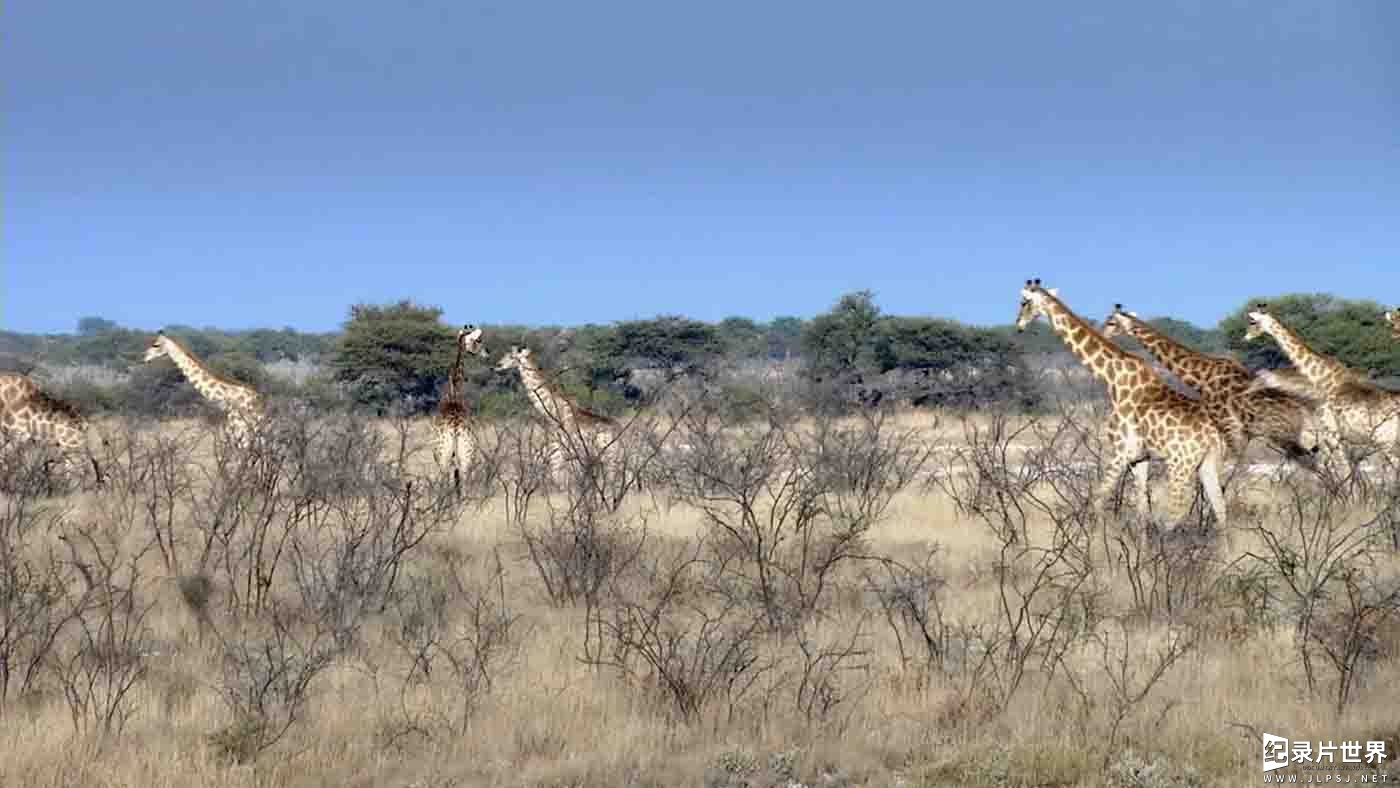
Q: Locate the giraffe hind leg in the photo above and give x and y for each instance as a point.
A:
(1180, 483)
(1215, 494)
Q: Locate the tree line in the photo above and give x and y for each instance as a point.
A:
(395, 356)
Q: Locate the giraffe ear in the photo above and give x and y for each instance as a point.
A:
(1132, 314)
(1054, 291)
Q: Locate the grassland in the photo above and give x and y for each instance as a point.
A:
(968, 622)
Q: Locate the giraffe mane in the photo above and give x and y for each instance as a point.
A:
(216, 377)
(1077, 320)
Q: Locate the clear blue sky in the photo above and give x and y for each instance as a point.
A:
(248, 163)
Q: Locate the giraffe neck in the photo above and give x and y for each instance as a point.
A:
(202, 379)
(456, 380)
(1192, 367)
(1324, 373)
(1105, 359)
(546, 398)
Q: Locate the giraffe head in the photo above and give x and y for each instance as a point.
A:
(469, 340)
(1259, 320)
(516, 358)
(1119, 321)
(1033, 298)
(156, 349)
(1392, 316)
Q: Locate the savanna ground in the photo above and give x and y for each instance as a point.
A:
(880, 599)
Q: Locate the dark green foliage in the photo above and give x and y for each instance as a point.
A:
(665, 342)
(1038, 339)
(394, 352)
(785, 337)
(742, 338)
(398, 354)
(605, 356)
(88, 326)
(936, 344)
(856, 352)
(1206, 340)
(1352, 331)
(840, 343)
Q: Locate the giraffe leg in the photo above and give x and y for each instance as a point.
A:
(1128, 454)
(1215, 494)
(1181, 487)
(438, 455)
(461, 448)
(1140, 470)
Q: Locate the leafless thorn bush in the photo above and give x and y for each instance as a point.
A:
(910, 599)
(1120, 645)
(577, 539)
(1005, 474)
(1327, 574)
(267, 673)
(100, 666)
(822, 684)
(462, 628)
(346, 562)
(1167, 578)
(1048, 594)
(36, 599)
(789, 504)
(677, 637)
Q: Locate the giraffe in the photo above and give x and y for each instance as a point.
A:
(241, 404)
(29, 414)
(1352, 410)
(1392, 316)
(1147, 416)
(452, 440)
(573, 421)
(1223, 383)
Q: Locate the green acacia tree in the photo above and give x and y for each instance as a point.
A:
(839, 344)
(392, 353)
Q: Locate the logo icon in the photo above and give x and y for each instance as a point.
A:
(1275, 752)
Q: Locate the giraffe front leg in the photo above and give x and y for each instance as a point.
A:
(1335, 458)
(463, 453)
(439, 456)
(1127, 455)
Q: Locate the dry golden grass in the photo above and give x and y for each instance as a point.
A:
(550, 720)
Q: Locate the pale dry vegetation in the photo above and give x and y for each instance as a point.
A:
(882, 599)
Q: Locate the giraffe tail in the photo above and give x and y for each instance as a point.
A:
(1294, 452)
(97, 470)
